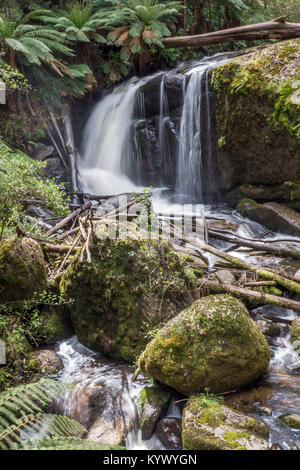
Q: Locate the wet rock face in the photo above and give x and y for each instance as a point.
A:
(123, 295)
(257, 116)
(173, 86)
(22, 269)
(168, 431)
(272, 215)
(154, 401)
(109, 423)
(210, 425)
(268, 328)
(213, 343)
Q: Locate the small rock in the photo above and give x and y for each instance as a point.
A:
(154, 401)
(44, 152)
(297, 276)
(225, 276)
(268, 328)
(169, 431)
(44, 361)
(208, 424)
(265, 410)
(292, 421)
(276, 446)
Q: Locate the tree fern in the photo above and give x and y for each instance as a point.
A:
(67, 443)
(22, 416)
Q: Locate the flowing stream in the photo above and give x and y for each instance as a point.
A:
(119, 143)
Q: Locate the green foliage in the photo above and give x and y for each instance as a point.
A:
(21, 179)
(67, 443)
(30, 42)
(22, 414)
(13, 79)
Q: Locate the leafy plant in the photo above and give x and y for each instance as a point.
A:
(21, 178)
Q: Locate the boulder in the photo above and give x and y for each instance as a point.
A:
(272, 215)
(268, 328)
(225, 276)
(213, 343)
(131, 287)
(154, 402)
(295, 330)
(208, 424)
(43, 362)
(22, 269)
(109, 422)
(168, 431)
(292, 421)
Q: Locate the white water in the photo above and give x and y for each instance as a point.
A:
(106, 142)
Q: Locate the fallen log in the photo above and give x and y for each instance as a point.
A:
(268, 275)
(274, 29)
(251, 295)
(258, 245)
(68, 219)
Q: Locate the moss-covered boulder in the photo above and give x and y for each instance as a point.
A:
(213, 343)
(292, 421)
(257, 107)
(154, 401)
(208, 424)
(22, 269)
(295, 330)
(130, 288)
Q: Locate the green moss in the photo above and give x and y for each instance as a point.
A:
(295, 330)
(293, 421)
(131, 287)
(244, 203)
(232, 439)
(57, 325)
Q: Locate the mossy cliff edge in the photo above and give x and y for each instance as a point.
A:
(258, 116)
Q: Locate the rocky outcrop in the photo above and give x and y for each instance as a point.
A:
(208, 424)
(213, 343)
(169, 431)
(154, 401)
(131, 287)
(22, 269)
(257, 103)
(272, 215)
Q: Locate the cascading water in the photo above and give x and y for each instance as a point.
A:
(116, 158)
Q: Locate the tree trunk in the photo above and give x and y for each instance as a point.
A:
(71, 150)
(275, 29)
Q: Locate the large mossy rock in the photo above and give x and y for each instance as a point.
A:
(258, 105)
(22, 269)
(213, 343)
(208, 424)
(130, 288)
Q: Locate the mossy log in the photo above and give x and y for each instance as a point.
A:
(252, 295)
(288, 284)
(257, 245)
(274, 29)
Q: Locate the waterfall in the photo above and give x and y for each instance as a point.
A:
(125, 149)
(106, 142)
